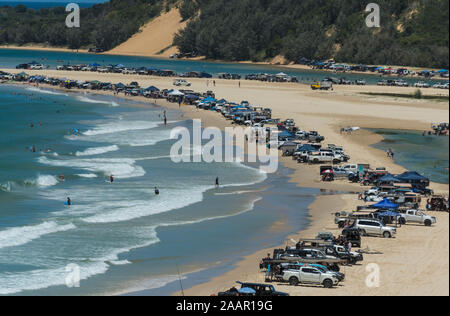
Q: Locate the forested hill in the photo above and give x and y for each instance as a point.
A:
(102, 25)
(412, 33)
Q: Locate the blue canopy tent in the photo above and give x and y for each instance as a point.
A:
(94, 65)
(385, 205)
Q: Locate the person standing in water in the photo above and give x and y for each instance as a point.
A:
(111, 178)
(217, 182)
(69, 202)
(156, 191)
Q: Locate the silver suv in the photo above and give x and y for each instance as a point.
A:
(370, 227)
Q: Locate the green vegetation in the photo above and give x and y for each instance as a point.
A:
(103, 25)
(412, 33)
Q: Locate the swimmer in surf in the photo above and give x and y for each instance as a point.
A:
(111, 178)
(156, 191)
(217, 182)
(69, 202)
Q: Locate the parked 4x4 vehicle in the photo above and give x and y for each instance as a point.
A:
(369, 227)
(310, 275)
(417, 216)
(260, 289)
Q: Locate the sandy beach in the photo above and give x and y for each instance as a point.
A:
(416, 261)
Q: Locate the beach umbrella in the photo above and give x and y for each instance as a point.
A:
(247, 290)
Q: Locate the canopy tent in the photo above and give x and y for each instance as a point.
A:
(385, 205)
(222, 101)
(176, 93)
(120, 85)
(388, 178)
(237, 107)
(152, 89)
(94, 65)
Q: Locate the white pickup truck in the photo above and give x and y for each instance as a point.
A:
(310, 275)
(417, 216)
(324, 157)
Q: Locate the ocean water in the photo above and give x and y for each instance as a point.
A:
(10, 58)
(120, 236)
(426, 154)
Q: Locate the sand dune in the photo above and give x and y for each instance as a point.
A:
(154, 37)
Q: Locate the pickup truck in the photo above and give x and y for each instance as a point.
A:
(310, 275)
(324, 157)
(417, 216)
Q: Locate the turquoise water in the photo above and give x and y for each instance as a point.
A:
(10, 58)
(426, 154)
(121, 235)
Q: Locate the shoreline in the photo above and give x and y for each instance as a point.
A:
(279, 66)
(303, 175)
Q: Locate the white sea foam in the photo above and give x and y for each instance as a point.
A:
(120, 126)
(43, 181)
(44, 278)
(129, 210)
(45, 91)
(17, 236)
(87, 175)
(97, 151)
(120, 167)
(6, 187)
(88, 100)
